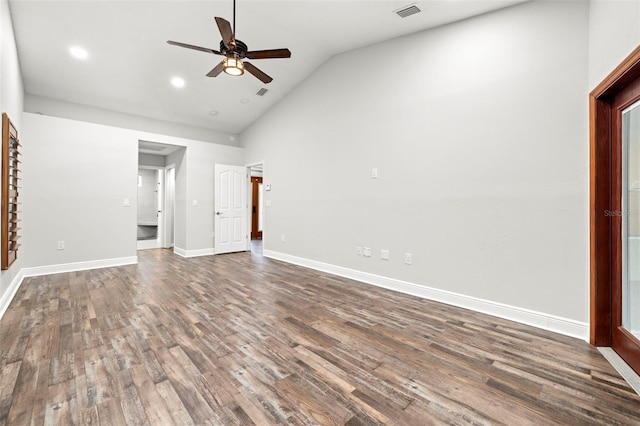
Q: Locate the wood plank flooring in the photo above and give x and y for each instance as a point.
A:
(239, 340)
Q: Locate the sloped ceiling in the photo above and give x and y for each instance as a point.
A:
(130, 65)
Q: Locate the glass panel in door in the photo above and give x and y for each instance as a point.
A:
(630, 302)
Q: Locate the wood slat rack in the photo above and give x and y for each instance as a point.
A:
(10, 214)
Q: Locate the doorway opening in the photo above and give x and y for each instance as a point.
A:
(156, 195)
(150, 196)
(256, 207)
(256, 216)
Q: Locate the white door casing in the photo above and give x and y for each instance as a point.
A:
(230, 223)
(169, 205)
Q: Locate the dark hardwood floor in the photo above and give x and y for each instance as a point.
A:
(239, 339)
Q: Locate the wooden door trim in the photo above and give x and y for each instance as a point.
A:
(256, 234)
(601, 225)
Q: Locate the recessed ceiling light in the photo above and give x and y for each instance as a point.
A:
(213, 112)
(177, 82)
(244, 101)
(78, 52)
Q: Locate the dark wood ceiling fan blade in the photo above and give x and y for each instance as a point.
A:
(191, 46)
(216, 70)
(269, 54)
(256, 72)
(225, 31)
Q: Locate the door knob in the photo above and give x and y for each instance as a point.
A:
(218, 213)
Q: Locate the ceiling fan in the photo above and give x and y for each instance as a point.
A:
(235, 51)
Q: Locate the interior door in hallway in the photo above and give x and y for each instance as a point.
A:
(230, 223)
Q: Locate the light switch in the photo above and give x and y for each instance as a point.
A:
(126, 202)
(195, 203)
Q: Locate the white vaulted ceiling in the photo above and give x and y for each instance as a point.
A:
(130, 65)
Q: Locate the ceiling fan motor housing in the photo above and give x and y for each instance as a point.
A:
(241, 48)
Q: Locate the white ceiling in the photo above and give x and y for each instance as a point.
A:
(130, 64)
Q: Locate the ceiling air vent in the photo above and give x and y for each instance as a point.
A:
(262, 91)
(407, 11)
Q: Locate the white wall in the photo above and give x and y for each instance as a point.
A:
(77, 175)
(11, 86)
(614, 32)
(11, 102)
(479, 134)
(57, 108)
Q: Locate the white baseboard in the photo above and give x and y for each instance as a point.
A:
(8, 295)
(78, 266)
(541, 320)
(193, 253)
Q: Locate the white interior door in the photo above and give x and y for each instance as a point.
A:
(230, 227)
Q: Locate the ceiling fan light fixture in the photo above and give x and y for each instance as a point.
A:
(234, 51)
(233, 66)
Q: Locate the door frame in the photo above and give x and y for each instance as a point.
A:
(169, 205)
(256, 181)
(249, 166)
(603, 226)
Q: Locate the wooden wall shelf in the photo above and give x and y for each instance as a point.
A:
(10, 214)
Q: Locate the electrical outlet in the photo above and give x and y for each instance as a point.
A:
(384, 254)
(359, 250)
(408, 258)
(60, 245)
(366, 252)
